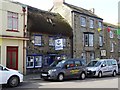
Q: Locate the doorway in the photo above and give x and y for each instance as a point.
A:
(12, 57)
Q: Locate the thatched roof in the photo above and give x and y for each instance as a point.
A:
(47, 22)
(82, 11)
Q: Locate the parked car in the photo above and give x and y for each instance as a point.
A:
(65, 69)
(102, 67)
(119, 68)
(10, 77)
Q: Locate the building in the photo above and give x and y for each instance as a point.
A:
(87, 29)
(50, 38)
(111, 40)
(12, 40)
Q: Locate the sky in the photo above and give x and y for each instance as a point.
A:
(106, 9)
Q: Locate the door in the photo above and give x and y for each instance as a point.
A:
(12, 57)
(104, 68)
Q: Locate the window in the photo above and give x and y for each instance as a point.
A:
(38, 61)
(112, 46)
(91, 23)
(12, 23)
(83, 21)
(100, 40)
(34, 61)
(64, 42)
(51, 41)
(100, 24)
(83, 55)
(30, 62)
(92, 56)
(70, 64)
(111, 34)
(109, 62)
(38, 40)
(77, 63)
(88, 39)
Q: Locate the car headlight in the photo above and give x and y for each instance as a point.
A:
(52, 70)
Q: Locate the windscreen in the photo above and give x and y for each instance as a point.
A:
(94, 64)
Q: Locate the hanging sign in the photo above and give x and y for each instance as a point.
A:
(59, 44)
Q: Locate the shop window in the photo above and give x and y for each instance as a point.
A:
(38, 61)
(34, 61)
(38, 40)
(12, 23)
(30, 61)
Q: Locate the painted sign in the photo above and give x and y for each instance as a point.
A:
(59, 44)
(103, 52)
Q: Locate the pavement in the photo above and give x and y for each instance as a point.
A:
(31, 77)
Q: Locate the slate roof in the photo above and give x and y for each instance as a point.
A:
(82, 11)
(47, 22)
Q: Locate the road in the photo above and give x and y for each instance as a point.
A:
(105, 82)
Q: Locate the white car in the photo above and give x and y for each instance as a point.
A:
(10, 77)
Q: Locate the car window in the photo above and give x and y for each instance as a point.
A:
(77, 63)
(70, 64)
(109, 62)
(114, 62)
(1, 68)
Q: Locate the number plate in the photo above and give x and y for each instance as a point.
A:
(44, 74)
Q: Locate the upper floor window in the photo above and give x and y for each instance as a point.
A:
(91, 23)
(100, 40)
(112, 46)
(111, 34)
(83, 21)
(88, 39)
(12, 23)
(64, 42)
(51, 41)
(100, 24)
(38, 40)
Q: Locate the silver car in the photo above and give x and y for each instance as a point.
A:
(102, 67)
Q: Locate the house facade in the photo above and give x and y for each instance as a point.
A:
(111, 39)
(12, 38)
(49, 39)
(87, 29)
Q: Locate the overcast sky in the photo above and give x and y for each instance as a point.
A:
(106, 9)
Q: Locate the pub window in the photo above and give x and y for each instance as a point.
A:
(30, 61)
(51, 41)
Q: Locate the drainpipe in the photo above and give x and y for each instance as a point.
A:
(24, 10)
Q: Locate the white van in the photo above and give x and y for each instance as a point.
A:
(102, 67)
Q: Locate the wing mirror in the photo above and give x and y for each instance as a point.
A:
(103, 65)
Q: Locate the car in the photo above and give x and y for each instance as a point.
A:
(65, 69)
(102, 67)
(119, 68)
(10, 77)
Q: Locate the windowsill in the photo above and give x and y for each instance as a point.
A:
(30, 67)
(12, 30)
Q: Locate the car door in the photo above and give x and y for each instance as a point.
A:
(4, 74)
(69, 69)
(104, 68)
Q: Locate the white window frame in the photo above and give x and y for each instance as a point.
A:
(12, 21)
(31, 61)
(83, 21)
(38, 40)
(92, 23)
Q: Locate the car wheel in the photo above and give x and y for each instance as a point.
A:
(100, 74)
(13, 81)
(82, 76)
(114, 74)
(60, 77)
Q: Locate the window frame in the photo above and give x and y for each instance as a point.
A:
(100, 25)
(91, 23)
(100, 41)
(40, 44)
(11, 21)
(89, 44)
(111, 34)
(83, 21)
(50, 45)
